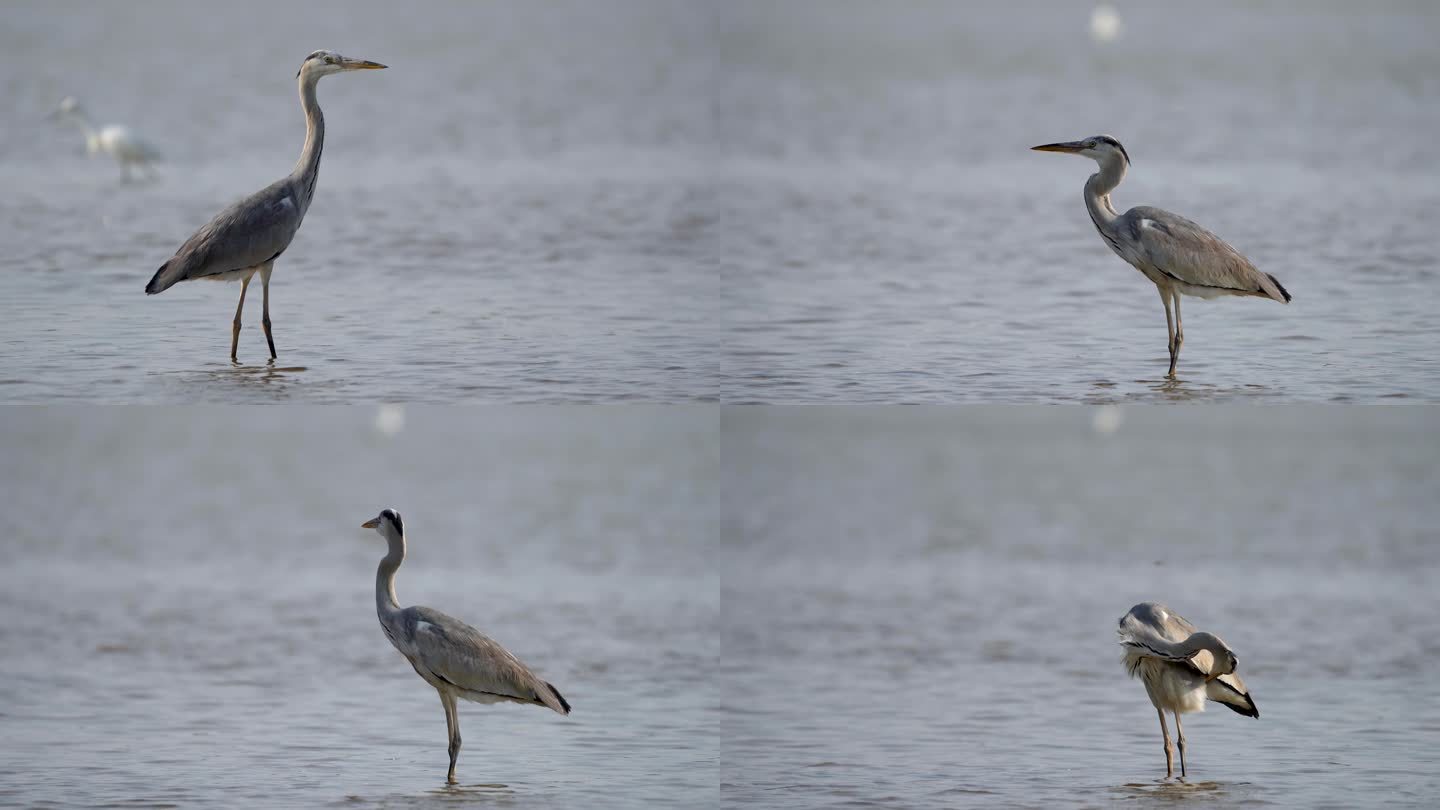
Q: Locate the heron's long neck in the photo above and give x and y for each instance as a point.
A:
(307, 171)
(1178, 651)
(385, 600)
(1097, 192)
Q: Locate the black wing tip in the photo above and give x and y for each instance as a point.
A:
(154, 286)
(1280, 287)
(1248, 709)
(564, 704)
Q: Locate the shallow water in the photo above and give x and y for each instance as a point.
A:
(191, 618)
(742, 202)
(919, 605)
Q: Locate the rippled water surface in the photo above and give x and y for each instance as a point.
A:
(741, 201)
(919, 607)
(191, 617)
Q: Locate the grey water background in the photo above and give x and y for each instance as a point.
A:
(919, 605)
(190, 614)
(726, 201)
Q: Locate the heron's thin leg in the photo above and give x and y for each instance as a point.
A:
(1169, 749)
(1180, 740)
(235, 328)
(452, 723)
(1169, 330)
(1179, 339)
(265, 317)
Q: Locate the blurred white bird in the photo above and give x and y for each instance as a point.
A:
(117, 140)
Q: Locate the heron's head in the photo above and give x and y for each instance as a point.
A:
(387, 523)
(1100, 148)
(1225, 658)
(323, 63)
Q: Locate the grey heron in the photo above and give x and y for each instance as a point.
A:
(1181, 669)
(119, 141)
(1181, 257)
(447, 653)
(250, 235)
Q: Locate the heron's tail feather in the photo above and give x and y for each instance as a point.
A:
(1278, 292)
(164, 278)
(551, 698)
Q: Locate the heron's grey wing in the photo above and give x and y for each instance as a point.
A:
(1149, 621)
(1175, 628)
(1152, 630)
(474, 662)
(1187, 252)
(1153, 618)
(251, 232)
(1230, 690)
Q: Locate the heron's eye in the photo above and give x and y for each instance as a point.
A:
(329, 60)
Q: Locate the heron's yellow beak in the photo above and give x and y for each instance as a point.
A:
(362, 64)
(371, 523)
(1212, 676)
(1069, 147)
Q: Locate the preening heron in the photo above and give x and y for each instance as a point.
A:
(1181, 668)
(447, 653)
(116, 140)
(250, 235)
(1181, 257)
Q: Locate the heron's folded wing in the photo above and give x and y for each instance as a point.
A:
(1185, 251)
(1149, 619)
(1152, 630)
(250, 232)
(1230, 690)
(473, 661)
